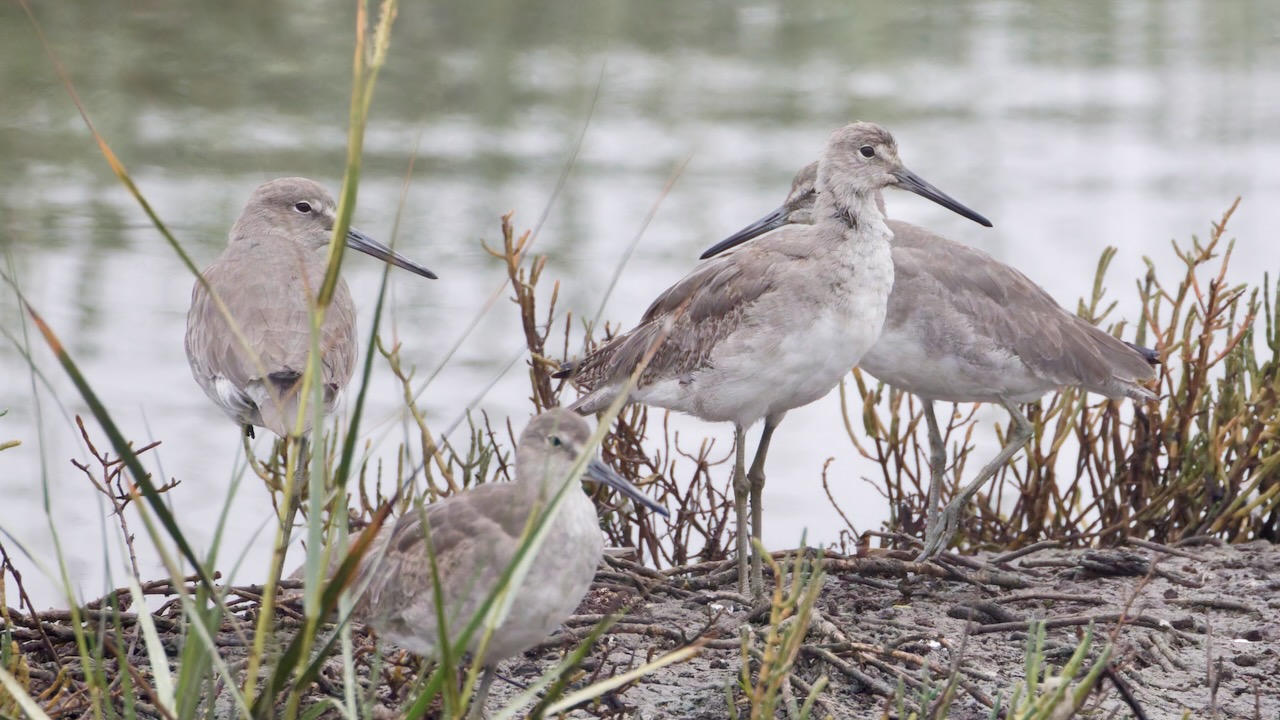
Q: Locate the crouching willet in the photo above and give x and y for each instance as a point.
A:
(963, 327)
(774, 326)
(267, 278)
(475, 537)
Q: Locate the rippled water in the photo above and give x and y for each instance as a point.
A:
(1072, 126)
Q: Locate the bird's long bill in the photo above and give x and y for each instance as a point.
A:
(601, 473)
(908, 180)
(357, 240)
(770, 222)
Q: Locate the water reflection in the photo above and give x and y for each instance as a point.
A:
(1072, 125)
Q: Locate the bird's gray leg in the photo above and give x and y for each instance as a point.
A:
(756, 477)
(482, 692)
(741, 490)
(937, 463)
(939, 534)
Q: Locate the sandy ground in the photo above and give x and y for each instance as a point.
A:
(1200, 634)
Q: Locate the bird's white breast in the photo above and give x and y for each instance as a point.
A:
(796, 342)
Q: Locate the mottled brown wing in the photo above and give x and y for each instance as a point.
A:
(689, 318)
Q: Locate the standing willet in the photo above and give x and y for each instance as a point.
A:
(475, 536)
(775, 326)
(964, 327)
(267, 278)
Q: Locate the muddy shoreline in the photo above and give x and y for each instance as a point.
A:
(1196, 629)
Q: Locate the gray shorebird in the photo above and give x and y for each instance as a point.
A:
(475, 536)
(773, 326)
(964, 327)
(268, 277)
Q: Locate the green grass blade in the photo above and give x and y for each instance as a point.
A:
(292, 656)
(159, 660)
(557, 677)
(210, 646)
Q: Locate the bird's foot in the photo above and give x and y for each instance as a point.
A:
(938, 533)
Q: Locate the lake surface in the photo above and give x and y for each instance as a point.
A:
(1073, 126)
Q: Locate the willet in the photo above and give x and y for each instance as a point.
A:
(475, 536)
(757, 332)
(267, 278)
(964, 327)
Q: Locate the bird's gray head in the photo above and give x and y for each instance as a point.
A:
(859, 158)
(862, 158)
(798, 207)
(550, 446)
(294, 208)
(858, 162)
(301, 211)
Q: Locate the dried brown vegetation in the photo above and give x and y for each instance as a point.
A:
(1202, 461)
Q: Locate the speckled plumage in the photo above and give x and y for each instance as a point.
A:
(773, 326)
(742, 318)
(963, 327)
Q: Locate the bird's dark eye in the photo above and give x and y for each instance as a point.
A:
(555, 441)
(303, 207)
(867, 151)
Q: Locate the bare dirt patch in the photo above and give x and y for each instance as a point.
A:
(1196, 629)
